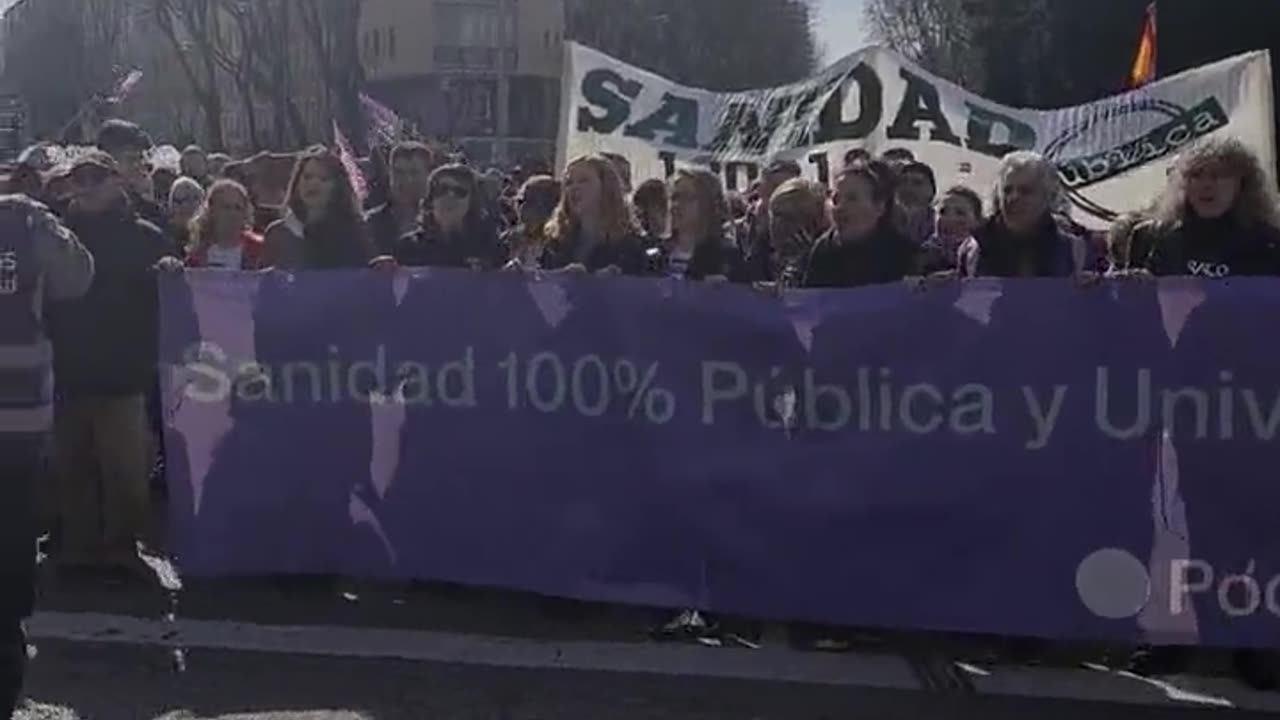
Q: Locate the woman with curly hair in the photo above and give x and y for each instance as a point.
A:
(593, 228)
(1024, 237)
(1219, 216)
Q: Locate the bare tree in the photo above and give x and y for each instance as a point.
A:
(237, 56)
(193, 29)
(100, 43)
(937, 34)
(63, 57)
(769, 42)
(331, 28)
(260, 65)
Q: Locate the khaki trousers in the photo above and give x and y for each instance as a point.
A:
(102, 465)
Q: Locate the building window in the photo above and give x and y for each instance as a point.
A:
(546, 39)
(473, 25)
(377, 44)
(391, 43)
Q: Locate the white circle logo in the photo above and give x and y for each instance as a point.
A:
(1113, 584)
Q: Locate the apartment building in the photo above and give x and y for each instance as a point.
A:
(482, 73)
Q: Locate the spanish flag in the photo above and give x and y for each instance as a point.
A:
(1144, 65)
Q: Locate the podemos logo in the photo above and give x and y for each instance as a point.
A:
(1115, 585)
(1158, 129)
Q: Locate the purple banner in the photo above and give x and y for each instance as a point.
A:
(1013, 457)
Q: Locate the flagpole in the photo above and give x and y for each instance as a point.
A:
(79, 116)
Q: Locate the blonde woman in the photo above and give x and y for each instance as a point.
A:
(799, 214)
(593, 228)
(1218, 217)
(221, 233)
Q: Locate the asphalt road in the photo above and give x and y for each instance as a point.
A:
(261, 652)
(117, 683)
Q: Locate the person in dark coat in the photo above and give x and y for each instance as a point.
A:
(864, 247)
(701, 248)
(323, 228)
(194, 164)
(40, 261)
(454, 231)
(535, 202)
(1219, 220)
(798, 215)
(1023, 238)
(129, 144)
(105, 358)
(411, 167)
(653, 208)
(593, 228)
(753, 230)
(916, 187)
(702, 245)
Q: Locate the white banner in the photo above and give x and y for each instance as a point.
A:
(1113, 154)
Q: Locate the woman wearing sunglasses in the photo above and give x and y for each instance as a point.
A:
(454, 230)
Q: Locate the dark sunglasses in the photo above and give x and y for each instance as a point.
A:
(456, 191)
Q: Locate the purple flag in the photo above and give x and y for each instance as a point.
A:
(385, 126)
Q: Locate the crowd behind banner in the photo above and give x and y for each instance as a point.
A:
(883, 220)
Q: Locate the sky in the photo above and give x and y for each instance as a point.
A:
(840, 27)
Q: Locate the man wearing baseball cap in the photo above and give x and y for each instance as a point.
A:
(104, 361)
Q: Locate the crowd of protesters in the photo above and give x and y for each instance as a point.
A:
(884, 220)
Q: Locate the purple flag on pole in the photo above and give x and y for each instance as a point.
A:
(385, 126)
(348, 158)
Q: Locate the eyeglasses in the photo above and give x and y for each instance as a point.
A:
(456, 191)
